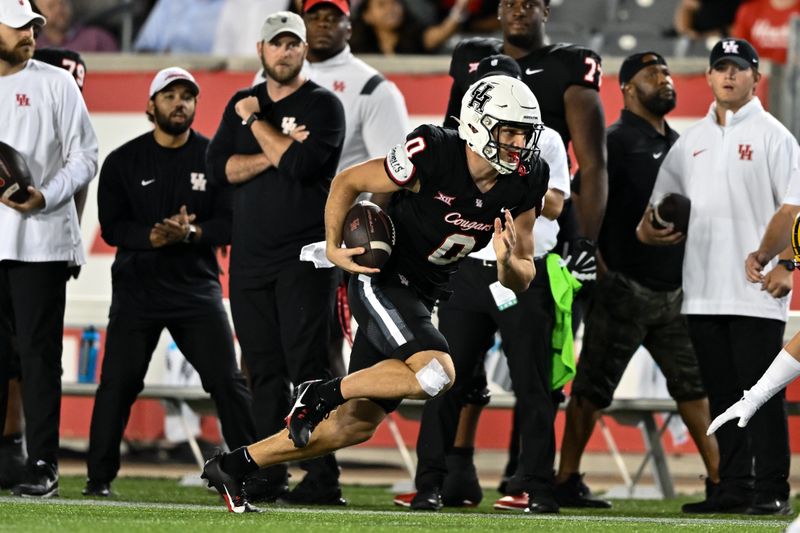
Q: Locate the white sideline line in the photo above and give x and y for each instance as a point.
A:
(364, 512)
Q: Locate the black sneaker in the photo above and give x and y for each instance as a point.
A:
(718, 500)
(427, 500)
(230, 488)
(461, 487)
(311, 491)
(542, 501)
(40, 481)
(575, 493)
(764, 505)
(308, 411)
(12, 462)
(97, 488)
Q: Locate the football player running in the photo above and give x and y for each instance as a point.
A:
(455, 191)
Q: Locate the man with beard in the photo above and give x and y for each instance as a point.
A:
(166, 218)
(738, 165)
(46, 121)
(637, 301)
(279, 144)
(12, 447)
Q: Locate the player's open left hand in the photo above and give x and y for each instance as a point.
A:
(35, 202)
(343, 258)
(505, 237)
(744, 410)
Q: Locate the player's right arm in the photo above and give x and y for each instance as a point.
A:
(369, 176)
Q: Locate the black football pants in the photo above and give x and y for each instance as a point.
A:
(733, 352)
(32, 300)
(205, 341)
(283, 325)
(469, 321)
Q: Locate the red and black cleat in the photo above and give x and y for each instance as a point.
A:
(308, 411)
(230, 488)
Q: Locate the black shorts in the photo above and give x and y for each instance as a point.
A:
(623, 316)
(394, 322)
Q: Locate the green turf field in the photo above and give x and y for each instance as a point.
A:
(150, 505)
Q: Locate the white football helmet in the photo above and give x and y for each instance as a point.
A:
(500, 100)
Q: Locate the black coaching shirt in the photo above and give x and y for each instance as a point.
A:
(449, 217)
(142, 183)
(548, 71)
(281, 210)
(635, 153)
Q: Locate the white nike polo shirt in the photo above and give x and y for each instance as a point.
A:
(736, 176)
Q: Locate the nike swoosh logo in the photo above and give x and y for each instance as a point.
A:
(657, 155)
(698, 152)
(531, 71)
(145, 183)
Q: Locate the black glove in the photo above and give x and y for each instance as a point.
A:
(579, 255)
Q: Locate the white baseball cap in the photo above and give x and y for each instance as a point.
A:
(168, 76)
(283, 22)
(19, 13)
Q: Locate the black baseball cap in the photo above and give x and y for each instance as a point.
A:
(636, 62)
(499, 65)
(738, 51)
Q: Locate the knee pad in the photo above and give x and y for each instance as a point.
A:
(432, 378)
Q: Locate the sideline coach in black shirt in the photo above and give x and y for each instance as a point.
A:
(279, 143)
(166, 218)
(638, 296)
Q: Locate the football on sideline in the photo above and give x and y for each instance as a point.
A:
(15, 177)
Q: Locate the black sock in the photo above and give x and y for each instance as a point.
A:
(238, 463)
(331, 392)
(12, 439)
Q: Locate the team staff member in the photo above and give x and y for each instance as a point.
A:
(279, 144)
(12, 449)
(166, 218)
(375, 120)
(46, 120)
(637, 301)
(566, 80)
(737, 165)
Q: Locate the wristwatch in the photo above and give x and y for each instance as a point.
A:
(252, 118)
(191, 234)
(788, 264)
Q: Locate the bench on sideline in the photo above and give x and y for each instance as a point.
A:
(176, 396)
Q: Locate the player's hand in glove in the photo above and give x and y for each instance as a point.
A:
(579, 257)
(744, 410)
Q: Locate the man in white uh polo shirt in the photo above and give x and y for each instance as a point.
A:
(44, 118)
(738, 165)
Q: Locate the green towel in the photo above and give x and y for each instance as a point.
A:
(563, 286)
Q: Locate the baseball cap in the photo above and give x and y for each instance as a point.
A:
(636, 62)
(19, 13)
(499, 65)
(170, 75)
(738, 51)
(343, 5)
(283, 22)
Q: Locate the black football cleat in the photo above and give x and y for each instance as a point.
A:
(12, 462)
(41, 481)
(308, 411)
(230, 488)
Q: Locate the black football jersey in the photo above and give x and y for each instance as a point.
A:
(69, 60)
(548, 72)
(449, 217)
